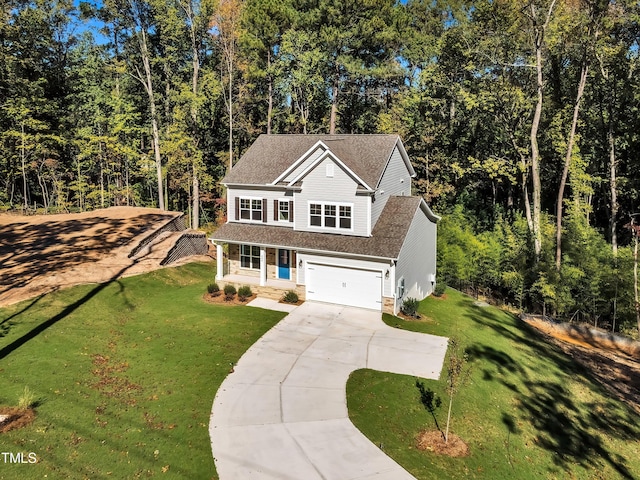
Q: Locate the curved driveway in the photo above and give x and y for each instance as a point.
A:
(283, 413)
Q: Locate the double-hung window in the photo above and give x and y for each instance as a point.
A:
(283, 211)
(330, 215)
(250, 257)
(315, 214)
(345, 217)
(251, 209)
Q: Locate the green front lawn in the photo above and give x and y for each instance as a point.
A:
(125, 375)
(528, 411)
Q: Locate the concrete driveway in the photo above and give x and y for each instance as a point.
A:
(283, 413)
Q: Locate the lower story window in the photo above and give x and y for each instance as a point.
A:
(250, 256)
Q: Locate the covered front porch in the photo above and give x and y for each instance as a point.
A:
(273, 269)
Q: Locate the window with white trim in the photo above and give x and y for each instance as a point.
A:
(330, 215)
(315, 214)
(251, 209)
(345, 217)
(283, 211)
(250, 257)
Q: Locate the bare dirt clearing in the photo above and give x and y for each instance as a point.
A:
(617, 369)
(43, 253)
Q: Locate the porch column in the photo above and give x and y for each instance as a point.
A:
(219, 263)
(263, 266)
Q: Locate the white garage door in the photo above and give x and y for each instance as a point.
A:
(343, 285)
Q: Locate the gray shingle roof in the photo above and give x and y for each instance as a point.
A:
(271, 155)
(385, 241)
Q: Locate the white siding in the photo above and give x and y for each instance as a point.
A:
(340, 188)
(303, 166)
(383, 267)
(417, 260)
(396, 180)
(269, 195)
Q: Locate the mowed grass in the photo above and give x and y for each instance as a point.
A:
(527, 412)
(125, 374)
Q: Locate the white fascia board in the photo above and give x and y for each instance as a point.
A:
(254, 186)
(336, 160)
(405, 158)
(305, 155)
(428, 212)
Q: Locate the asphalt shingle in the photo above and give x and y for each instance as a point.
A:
(271, 155)
(385, 241)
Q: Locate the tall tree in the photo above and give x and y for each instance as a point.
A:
(226, 23)
(592, 17)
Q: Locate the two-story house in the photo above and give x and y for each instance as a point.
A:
(330, 216)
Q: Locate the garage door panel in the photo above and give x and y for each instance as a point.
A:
(343, 285)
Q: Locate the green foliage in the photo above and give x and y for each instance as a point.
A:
(229, 291)
(410, 307)
(441, 287)
(290, 297)
(213, 288)
(244, 292)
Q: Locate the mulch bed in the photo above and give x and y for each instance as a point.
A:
(221, 299)
(18, 418)
(433, 441)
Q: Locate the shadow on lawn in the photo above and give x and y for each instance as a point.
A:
(570, 429)
(68, 310)
(31, 250)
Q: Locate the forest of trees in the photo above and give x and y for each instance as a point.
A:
(521, 118)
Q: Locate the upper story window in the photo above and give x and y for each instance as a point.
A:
(330, 215)
(345, 216)
(251, 209)
(283, 211)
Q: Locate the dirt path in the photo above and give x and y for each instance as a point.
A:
(43, 253)
(616, 369)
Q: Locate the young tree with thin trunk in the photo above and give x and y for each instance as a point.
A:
(539, 27)
(227, 29)
(595, 12)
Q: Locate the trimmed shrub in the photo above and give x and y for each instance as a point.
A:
(213, 289)
(441, 286)
(410, 307)
(229, 292)
(290, 297)
(244, 292)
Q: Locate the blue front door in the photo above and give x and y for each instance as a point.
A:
(284, 264)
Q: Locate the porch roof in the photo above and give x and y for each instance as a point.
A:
(385, 241)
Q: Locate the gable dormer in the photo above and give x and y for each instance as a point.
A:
(330, 198)
(302, 164)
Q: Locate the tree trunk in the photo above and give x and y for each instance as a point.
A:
(195, 217)
(567, 162)
(539, 32)
(270, 104)
(148, 84)
(334, 102)
(523, 186)
(24, 170)
(613, 188)
(230, 67)
(635, 277)
(535, 160)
